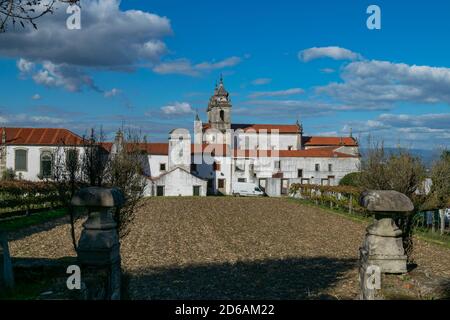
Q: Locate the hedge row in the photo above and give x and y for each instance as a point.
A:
(26, 195)
(346, 197)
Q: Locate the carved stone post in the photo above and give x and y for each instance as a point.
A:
(99, 248)
(6, 271)
(382, 250)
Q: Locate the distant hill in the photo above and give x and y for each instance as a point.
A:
(427, 156)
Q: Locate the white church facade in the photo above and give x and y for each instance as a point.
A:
(218, 155)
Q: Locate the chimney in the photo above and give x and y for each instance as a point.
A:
(118, 141)
(4, 136)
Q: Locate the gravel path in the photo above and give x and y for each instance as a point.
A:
(235, 248)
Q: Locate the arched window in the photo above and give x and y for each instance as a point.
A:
(46, 164)
(222, 115)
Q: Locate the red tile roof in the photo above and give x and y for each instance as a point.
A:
(40, 136)
(330, 141)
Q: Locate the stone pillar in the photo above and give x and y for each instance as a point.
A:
(6, 270)
(99, 248)
(382, 250)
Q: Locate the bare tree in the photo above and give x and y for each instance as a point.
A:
(25, 12)
(439, 196)
(66, 174)
(399, 171)
(95, 158)
(125, 171)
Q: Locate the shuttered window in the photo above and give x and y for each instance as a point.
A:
(21, 160)
(46, 164)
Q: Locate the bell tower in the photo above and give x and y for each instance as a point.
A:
(219, 108)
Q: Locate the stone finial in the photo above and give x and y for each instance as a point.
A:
(386, 201)
(98, 197)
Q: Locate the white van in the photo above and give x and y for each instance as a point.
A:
(246, 189)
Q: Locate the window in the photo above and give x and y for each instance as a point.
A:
(221, 183)
(159, 191)
(21, 160)
(196, 191)
(216, 166)
(193, 167)
(300, 173)
(317, 167)
(162, 167)
(330, 167)
(46, 164)
(222, 115)
(240, 165)
(71, 158)
(277, 164)
(242, 180)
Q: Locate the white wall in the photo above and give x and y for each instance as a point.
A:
(252, 141)
(205, 170)
(33, 159)
(176, 183)
(154, 164)
(265, 168)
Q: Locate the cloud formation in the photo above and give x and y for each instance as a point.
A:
(333, 52)
(287, 92)
(112, 93)
(48, 74)
(261, 81)
(109, 38)
(185, 67)
(369, 83)
(420, 131)
(178, 108)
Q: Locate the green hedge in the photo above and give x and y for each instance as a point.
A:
(26, 195)
(345, 197)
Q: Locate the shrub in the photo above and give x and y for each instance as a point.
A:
(352, 179)
(9, 175)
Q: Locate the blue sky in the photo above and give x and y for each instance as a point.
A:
(152, 64)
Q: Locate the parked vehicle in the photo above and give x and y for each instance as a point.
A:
(247, 189)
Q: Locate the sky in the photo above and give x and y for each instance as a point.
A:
(152, 65)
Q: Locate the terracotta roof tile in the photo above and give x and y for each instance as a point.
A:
(330, 141)
(40, 136)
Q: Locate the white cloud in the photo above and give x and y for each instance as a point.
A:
(261, 81)
(327, 70)
(178, 108)
(112, 93)
(22, 119)
(69, 77)
(185, 67)
(25, 66)
(421, 131)
(36, 97)
(369, 83)
(279, 93)
(336, 53)
(109, 38)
